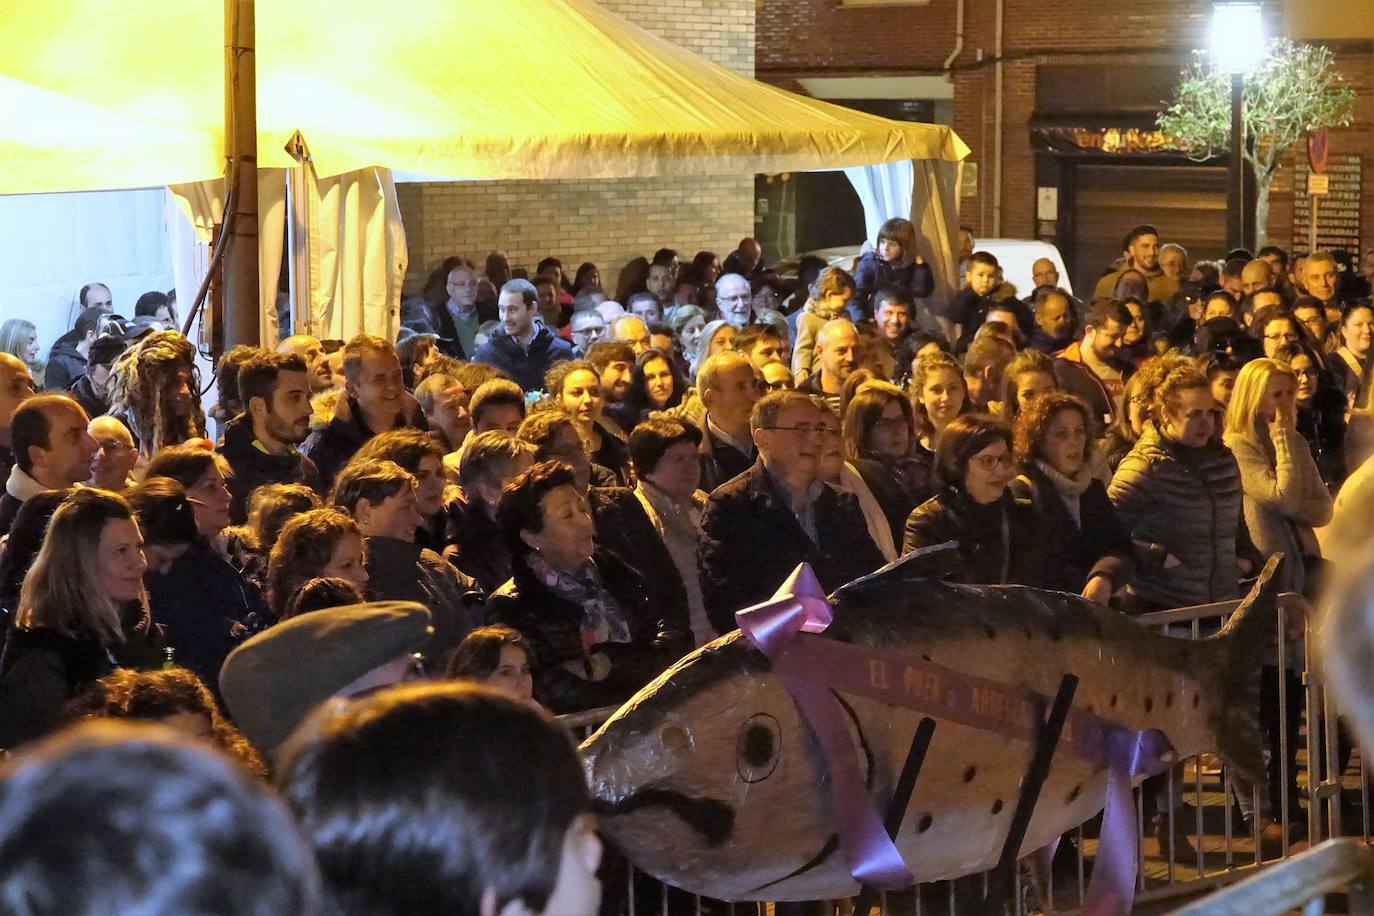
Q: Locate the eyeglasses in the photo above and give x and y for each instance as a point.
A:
(1305, 373)
(989, 463)
(1288, 337)
(806, 429)
(741, 298)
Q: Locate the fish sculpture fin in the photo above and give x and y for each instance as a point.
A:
(1236, 659)
(931, 562)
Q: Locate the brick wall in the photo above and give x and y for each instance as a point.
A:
(606, 222)
(800, 38)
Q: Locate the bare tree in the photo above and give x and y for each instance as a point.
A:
(1295, 89)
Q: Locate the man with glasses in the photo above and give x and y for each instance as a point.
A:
(112, 467)
(735, 299)
(760, 525)
(458, 318)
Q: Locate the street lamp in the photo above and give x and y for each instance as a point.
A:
(1237, 46)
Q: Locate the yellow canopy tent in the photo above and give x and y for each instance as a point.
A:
(452, 89)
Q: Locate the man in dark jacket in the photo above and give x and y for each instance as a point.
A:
(374, 401)
(759, 526)
(52, 450)
(260, 444)
(526, 349)
(16, 386)
(729, 386)
(91, 390)
(67, 358)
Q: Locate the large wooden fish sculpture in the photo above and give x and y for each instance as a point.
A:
(709, 778)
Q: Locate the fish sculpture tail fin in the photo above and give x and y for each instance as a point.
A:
(1236, 658)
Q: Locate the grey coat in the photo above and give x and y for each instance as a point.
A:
(1285, 499)
(1184, 502)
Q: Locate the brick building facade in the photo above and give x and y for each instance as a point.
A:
(606, 222)
(1062, 60)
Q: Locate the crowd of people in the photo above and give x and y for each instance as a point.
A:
(549, 494)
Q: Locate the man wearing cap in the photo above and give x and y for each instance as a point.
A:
(275, 680)
(67, 358)
(92, 389)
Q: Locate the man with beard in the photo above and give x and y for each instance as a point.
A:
(1140, 252)
(260, 444)
(1054, 320)
(1090, 367)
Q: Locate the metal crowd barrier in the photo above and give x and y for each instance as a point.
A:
(1203, 797)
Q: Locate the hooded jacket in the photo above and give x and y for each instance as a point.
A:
(254, 467)
(339, 440)
(524, 366)
(65, 363)
(874, 274)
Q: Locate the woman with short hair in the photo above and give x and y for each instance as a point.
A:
(82, 604)
(380, 495)
(668, 473)
(995, 535)
(596, 635)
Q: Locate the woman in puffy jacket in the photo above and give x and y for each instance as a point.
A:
(894, 261)
(1179, 494)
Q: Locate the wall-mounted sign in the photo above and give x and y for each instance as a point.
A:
(1338, 212)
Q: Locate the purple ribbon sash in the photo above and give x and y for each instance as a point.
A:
(811, 667)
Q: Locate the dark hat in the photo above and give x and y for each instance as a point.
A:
(140, 327)
(273, 681)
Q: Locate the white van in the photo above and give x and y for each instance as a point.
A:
(1015, 255)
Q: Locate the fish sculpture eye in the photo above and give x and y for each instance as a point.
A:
(760, 748)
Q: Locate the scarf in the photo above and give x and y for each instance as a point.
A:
(602, 619)
(817, 308)
(1069, 488)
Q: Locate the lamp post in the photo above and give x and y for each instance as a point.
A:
(1237, 46)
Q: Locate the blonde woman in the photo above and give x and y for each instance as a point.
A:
(20, 338)
(1284, 499)
(1284, 496)
(81, 601)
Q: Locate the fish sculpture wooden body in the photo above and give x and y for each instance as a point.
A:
(709, 778)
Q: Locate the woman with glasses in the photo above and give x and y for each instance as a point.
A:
(1321, 411)
(1275, 328)
(878, 435)
(1087, 549)
(996, 535)
(1178, 492)
(716, 337)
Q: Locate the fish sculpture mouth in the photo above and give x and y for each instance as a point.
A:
(712, 819)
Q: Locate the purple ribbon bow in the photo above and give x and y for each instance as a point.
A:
(798, 606)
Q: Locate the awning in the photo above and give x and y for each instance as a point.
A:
(99, 95)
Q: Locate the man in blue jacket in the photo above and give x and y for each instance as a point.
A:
(524, 349)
